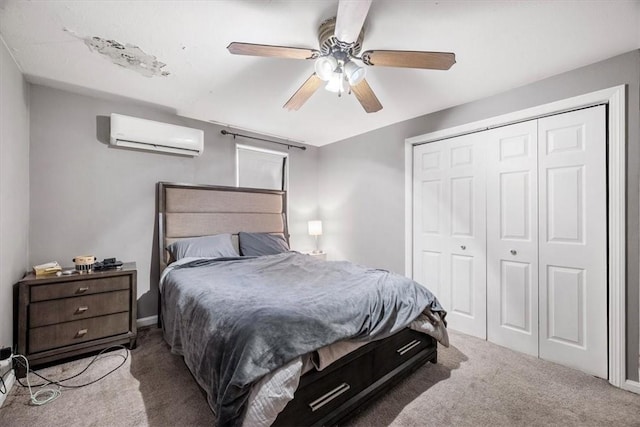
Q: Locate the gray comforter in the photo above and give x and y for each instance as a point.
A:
(235, 320)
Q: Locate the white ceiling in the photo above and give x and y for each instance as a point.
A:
(498, 44)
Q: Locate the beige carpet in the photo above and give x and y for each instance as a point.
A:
(475, 383)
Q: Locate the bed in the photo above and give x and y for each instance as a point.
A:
(284, 338)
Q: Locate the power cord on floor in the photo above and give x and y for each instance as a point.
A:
(55, 393)
(50, 394)
(3, 389)
(3, 384)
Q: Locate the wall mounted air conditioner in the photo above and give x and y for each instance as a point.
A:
(142, 134)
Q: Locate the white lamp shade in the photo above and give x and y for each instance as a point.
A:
(325, 66)
(354, 73)
(336, 83)
(315, 228)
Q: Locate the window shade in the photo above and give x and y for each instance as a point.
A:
(261, 169)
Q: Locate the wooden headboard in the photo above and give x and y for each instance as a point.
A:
(188, 210)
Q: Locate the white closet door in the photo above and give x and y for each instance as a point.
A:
(572, 239)
(512, 236)
(449, 228)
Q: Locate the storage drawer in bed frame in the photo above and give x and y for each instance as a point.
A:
(329, 396)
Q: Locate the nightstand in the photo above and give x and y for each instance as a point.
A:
(64, 316)
(320, 255)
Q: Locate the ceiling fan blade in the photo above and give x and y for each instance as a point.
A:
(237, 48)
(409, 59)
(307, 89)
(350, 19)
(367, 98)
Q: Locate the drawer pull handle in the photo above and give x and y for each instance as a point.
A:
(83, 289)
(82, 332)
(82, 309)
(405, 348)
(328, 397)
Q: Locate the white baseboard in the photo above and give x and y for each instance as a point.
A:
(147, 321)
(633, 386)
(9, 380)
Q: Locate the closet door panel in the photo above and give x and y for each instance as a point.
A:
(449, 228)
(565, 204)
(572, 240)
(431, 275)
(512, 228)
(515, 296)
(467, 234)
(462, 206)
(430, 200)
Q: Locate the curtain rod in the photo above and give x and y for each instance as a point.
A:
(225, 132)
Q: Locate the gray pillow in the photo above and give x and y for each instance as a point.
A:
(216, 246)
(258, 244)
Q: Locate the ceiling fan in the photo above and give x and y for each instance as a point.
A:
(340, 41)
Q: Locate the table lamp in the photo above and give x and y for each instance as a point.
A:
(315, 229)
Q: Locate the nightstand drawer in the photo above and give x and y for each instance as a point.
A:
(69, 309)
(48, 337)
(78, 288)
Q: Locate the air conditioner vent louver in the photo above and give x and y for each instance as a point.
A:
(142, 134)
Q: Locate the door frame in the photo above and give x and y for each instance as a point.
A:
(615, 98)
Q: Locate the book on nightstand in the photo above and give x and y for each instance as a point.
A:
(47, 269)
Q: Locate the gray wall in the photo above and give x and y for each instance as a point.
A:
(361, 179)
(14, 187)
(89, 198)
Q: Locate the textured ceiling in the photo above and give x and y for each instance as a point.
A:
(498, 44)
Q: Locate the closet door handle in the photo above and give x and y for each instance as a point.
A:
(463, 247)
(513, 252)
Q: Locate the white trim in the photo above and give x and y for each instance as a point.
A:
(615, 97)
(617, 238)
(633, 386)
(408, 210)
(601, 96)
(9, 380)
(147, 321)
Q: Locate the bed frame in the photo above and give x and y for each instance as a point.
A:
(323, 397)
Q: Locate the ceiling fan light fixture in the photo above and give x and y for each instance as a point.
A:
(325, 66)
(336, 84)
(354, 73)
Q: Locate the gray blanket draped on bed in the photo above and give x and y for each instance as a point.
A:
(235, 320)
